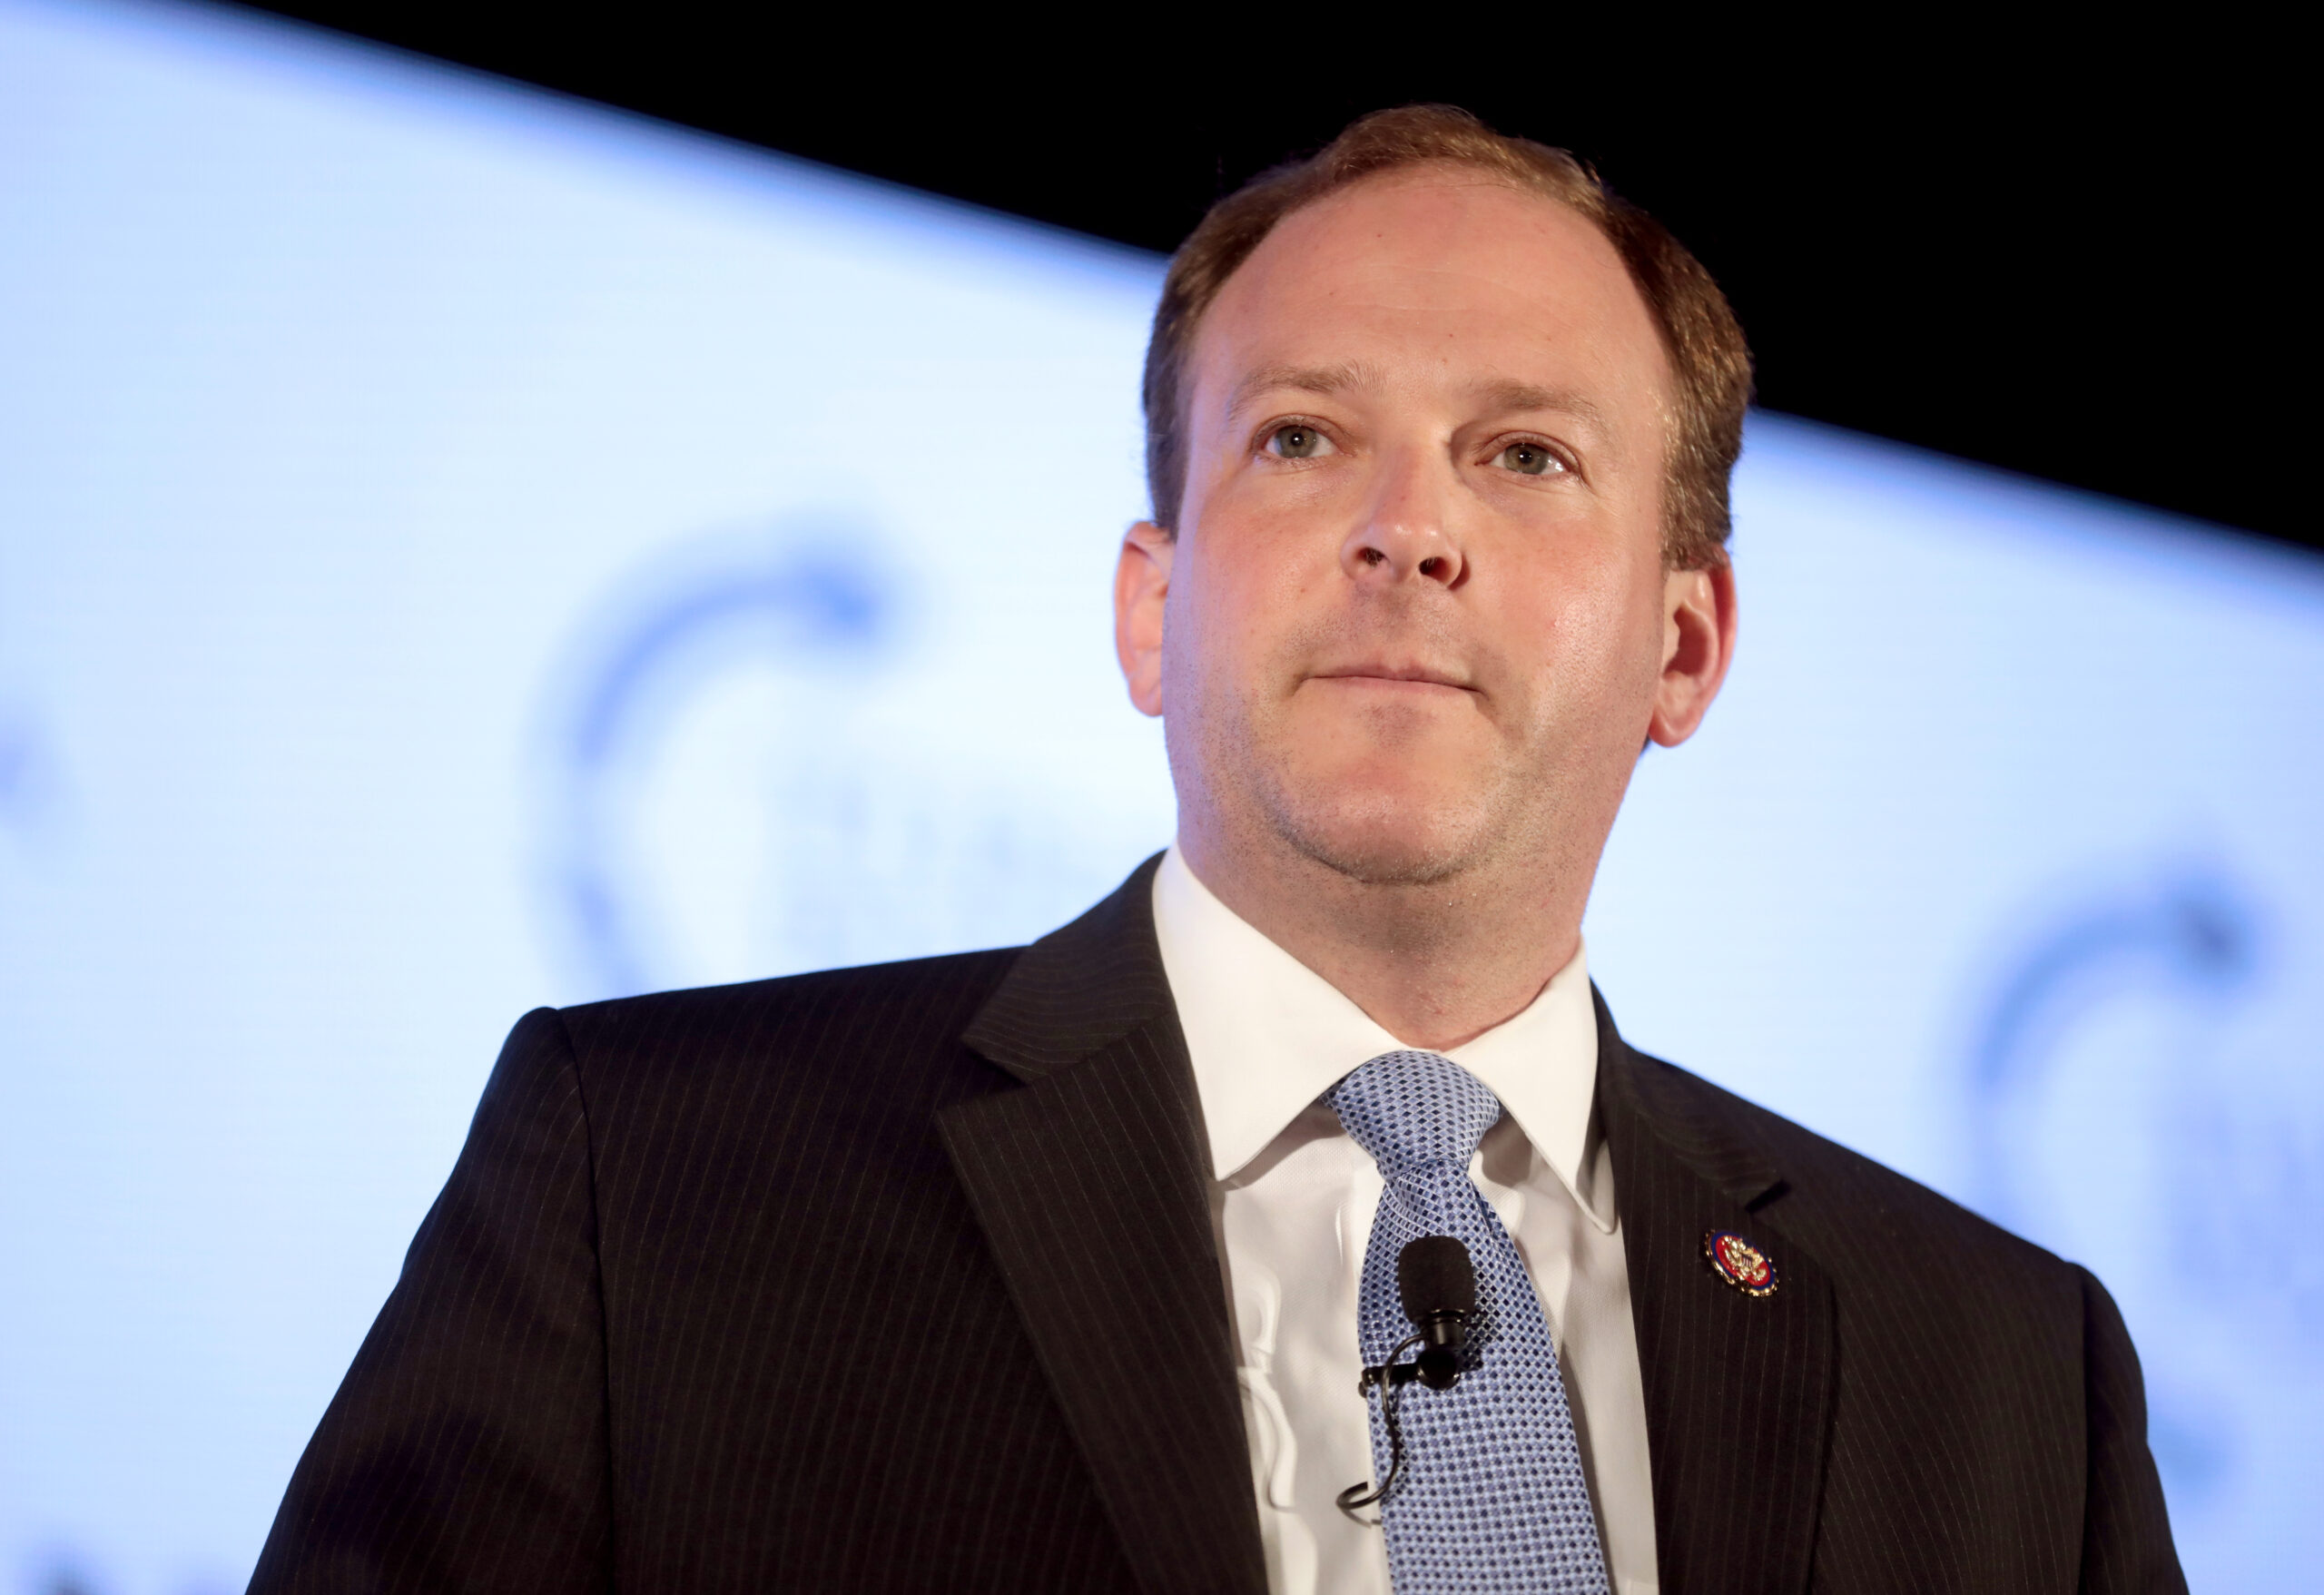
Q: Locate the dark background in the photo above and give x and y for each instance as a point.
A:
(2070, 256)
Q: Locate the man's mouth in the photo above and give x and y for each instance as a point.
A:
(1407, 677)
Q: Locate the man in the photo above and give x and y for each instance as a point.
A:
(1076, 1267)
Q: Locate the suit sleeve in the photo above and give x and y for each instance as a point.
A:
(2126, 1546)
(467, 1450)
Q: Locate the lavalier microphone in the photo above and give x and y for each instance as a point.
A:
(1437, 1285)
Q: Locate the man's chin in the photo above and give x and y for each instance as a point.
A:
(1395, 848)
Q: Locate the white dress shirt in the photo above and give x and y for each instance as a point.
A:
(1293, 1199)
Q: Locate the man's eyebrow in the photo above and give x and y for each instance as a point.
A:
(1502, 395)
(1507, 394)
(1317, 379)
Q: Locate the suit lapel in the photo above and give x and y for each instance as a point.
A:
(1091, 1183)
(1739, 1389)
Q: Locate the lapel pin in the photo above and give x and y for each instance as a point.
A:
(1739, 1263)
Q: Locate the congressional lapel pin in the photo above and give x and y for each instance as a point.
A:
(1739, 1263)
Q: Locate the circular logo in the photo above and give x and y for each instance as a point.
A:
(1739, 1263)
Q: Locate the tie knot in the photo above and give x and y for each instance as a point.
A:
(1414, 1112)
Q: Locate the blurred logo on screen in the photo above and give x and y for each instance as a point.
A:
(2144, 1101)
(761, 764)
(29, 779)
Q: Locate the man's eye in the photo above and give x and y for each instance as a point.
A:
(1529, 459)
(1296, 442)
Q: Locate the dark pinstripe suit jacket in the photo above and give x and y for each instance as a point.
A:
(902, 1279)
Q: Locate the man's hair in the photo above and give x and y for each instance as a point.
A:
(1709, 362)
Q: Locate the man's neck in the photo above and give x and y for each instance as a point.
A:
(1435, 964)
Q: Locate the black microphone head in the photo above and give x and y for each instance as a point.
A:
(1435, 1278)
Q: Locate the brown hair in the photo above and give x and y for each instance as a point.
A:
(1708, 358)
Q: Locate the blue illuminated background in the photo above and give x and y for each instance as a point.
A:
(462, 550)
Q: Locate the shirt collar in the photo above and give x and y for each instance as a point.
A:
(1267, 1036)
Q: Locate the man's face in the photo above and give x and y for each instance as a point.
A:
(1414, 622)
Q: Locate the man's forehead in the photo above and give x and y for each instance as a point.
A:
(1452, 268)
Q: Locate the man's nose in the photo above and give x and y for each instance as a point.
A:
(1406, 531)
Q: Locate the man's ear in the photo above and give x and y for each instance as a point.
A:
(1141, 583)
(1698, 643)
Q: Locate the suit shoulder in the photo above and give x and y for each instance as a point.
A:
(915, 1006)
(1855, 1206)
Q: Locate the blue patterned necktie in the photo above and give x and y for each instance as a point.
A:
(1492, 1496)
